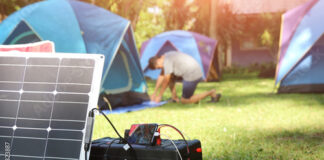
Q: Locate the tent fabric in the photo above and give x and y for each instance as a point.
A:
(291, 20)
(22, 34)
(78, 27)
(201, 48)
(121, 100)
(301, 53)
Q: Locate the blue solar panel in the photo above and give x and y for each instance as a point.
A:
(44, 103)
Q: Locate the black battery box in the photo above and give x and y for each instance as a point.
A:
(112, 149)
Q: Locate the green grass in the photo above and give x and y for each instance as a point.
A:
(250, 121)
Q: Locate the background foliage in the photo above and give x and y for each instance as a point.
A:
(9, 6)
(151, 17)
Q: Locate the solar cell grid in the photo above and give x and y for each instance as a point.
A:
(44, 101)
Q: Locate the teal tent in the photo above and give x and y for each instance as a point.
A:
(78, 27)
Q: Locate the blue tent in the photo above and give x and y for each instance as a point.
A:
(77, 27)
(201, 48)
(301, 54)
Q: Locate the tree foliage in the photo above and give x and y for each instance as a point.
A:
(264, 28)
(202, 12)
(9, 6)
(271, 34)
(177, 13)
(149, 24)
(151, 17)
(129, 9)
(229, 25)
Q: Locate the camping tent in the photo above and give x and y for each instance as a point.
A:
(200, 47)
(301, 55)
(78, 27)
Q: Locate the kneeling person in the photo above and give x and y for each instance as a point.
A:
(176, 64)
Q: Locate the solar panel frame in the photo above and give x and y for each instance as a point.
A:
(40, 119)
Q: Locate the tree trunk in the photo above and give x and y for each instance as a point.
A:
(222, 57)
(134, 20)
(228, 52)
(2, 11)
(213, 19)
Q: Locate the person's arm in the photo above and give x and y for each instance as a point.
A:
(165, 84)
(157, 85)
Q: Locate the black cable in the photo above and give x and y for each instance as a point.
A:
(86, 155)
(121, 138)
(109, 122)
(110, 146)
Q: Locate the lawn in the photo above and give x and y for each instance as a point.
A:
(250, 121)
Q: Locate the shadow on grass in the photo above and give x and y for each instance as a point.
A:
(255, 99)
(313, 138)
(264, 98)
(279, 145)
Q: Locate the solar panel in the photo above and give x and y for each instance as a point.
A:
(44, 104)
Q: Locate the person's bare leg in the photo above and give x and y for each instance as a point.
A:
(173, 89)
(197, 97)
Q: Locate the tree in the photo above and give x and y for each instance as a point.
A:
(203, 10)
(229, 25)
(271, 34)
(150, 23)
(9, 6)
(129, 9)
(177, 13)
(264, 28)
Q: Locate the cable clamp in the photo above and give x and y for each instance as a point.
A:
(126, 147)
(156, 134)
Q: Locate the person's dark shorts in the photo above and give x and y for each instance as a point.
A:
(189, 87)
